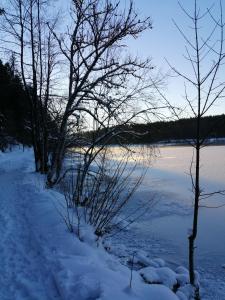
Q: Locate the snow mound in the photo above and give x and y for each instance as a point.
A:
(161, 275)
(142, 259)
(181, 270)
(182, 276)
(157, 263)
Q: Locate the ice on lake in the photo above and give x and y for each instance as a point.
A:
(163, 230)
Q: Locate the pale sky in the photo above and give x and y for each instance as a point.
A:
(164, 40)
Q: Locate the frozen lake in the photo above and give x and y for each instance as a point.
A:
(163, 230)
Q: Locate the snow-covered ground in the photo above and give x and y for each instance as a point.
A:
(40, 259)
(163, 230)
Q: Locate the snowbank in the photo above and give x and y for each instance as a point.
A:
(80, 270)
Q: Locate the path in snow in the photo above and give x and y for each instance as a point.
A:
(23, 272)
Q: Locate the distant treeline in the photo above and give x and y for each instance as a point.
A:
(211, 127)
(167, 131)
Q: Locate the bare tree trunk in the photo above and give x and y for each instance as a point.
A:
(57, 156)
(21, 38)
(37, 137)
(193, 235)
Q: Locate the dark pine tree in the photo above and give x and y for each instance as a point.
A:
(14, 107)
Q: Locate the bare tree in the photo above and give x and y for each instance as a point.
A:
(203, 89)
(100, 73)
(25, 33)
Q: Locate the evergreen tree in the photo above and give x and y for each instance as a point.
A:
(14, 107)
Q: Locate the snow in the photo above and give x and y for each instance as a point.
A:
(141, 258)
(158, 262)
(181, 270)
(24, 273)
(162, 275)
(182, 276)
(40, 259)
